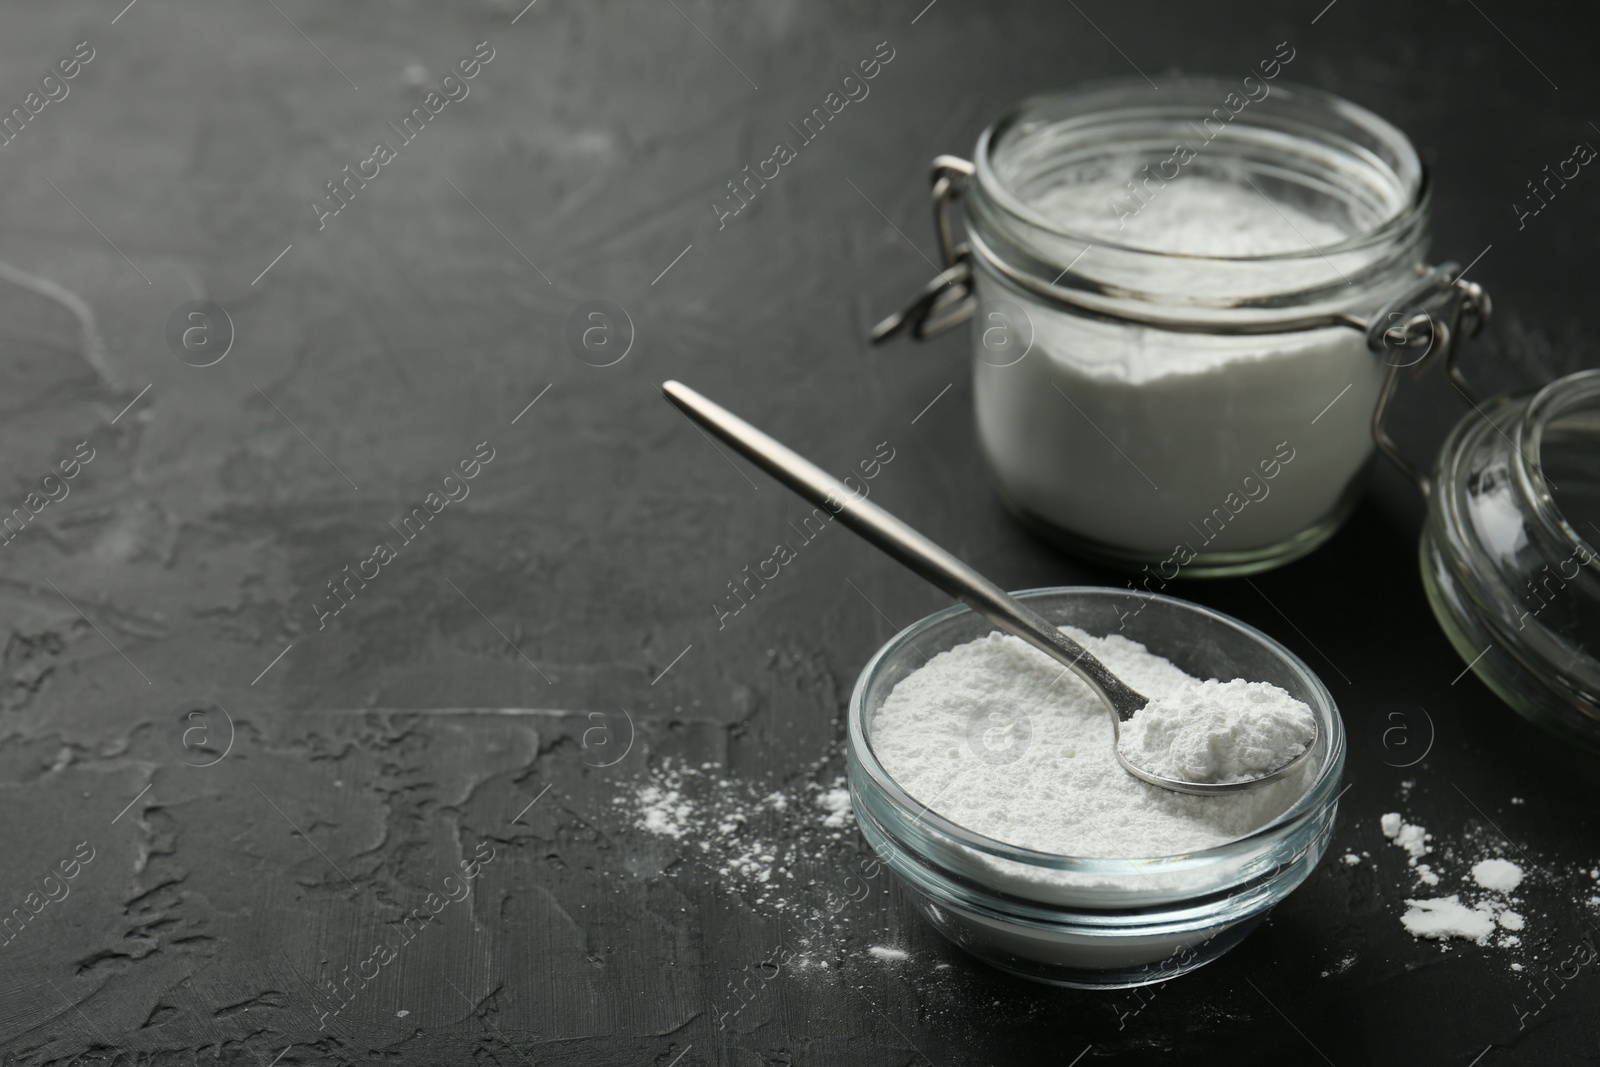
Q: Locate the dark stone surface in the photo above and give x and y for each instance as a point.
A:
(404, 737)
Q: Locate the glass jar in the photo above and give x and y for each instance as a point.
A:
(1508, 557)
(1150, 406)
(1094, 922)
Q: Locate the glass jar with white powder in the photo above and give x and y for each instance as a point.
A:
(1185, 303)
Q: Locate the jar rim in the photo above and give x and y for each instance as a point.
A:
(1414, 172)
(1305, 806)
(1556, 399)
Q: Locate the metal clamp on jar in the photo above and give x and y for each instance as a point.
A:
(1158, 407)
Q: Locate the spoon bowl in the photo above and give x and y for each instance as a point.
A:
(1203, 789)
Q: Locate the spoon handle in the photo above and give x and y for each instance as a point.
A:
(906, 545)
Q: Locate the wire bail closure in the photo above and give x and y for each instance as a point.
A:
(1428, 319)
(1412, 321)
(947, 300)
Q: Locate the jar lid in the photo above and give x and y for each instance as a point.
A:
(1508, 557)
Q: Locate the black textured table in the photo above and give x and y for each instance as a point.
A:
(270, 754)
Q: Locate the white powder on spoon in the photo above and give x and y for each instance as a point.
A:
(1219, 732)
(1001, 739)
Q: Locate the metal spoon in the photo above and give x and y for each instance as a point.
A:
(933, 563)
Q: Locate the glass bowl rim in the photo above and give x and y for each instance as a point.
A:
(997, 191)
(1307, 805)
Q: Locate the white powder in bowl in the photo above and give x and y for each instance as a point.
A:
(999, 738)
(1219, 732)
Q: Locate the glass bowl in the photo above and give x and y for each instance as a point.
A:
(1097, 922)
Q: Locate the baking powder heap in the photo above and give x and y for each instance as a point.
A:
(999, 738)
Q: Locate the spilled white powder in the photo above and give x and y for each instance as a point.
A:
(836, 802)
(1452, 917)
(1342, 966)
(1502, 876)
(664, 811)
(1409, 836)
(1219, 732)
(788, 851)
(1414, 840)
(1447, 918)
(752, 838)
(996, 737)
